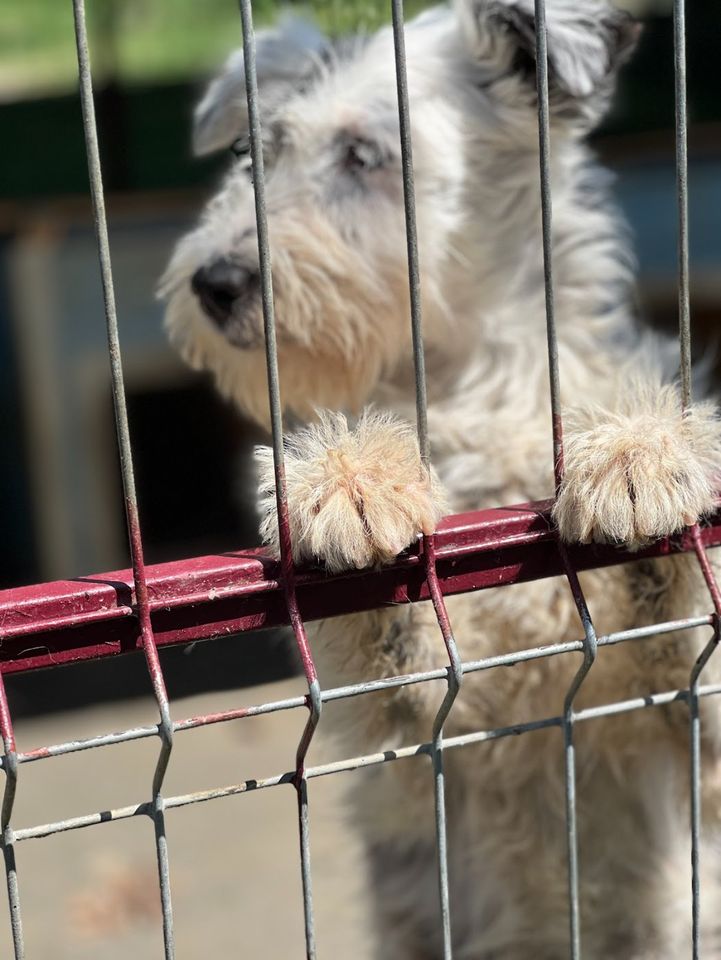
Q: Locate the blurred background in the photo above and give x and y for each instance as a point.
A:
(61, 506)
(62, 511)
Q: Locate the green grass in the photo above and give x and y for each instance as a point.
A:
(145, 40)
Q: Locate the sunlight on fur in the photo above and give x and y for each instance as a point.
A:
(359, 496)
(640, 473)
(637, 467)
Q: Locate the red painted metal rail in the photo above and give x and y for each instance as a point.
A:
(91, 617)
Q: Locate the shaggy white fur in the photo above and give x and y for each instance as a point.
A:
(636, 466)
(359, 496)
(640, 472)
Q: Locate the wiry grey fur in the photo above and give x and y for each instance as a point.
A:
(636, 467)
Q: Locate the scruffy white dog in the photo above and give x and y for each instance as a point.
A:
(636, 468)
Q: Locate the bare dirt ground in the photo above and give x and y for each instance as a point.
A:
(92, 894)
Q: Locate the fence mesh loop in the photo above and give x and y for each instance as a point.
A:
(10, 766)
(276, 419)
(126, 467)
(455, 669)
(590, 644)
(695, 736)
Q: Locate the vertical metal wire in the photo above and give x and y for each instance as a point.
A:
(695, 740)
(590, 644)
(409, 202)
(455, 676)
(10, 766)
(455, 670)
(684, 333)
(590, 647)
(684, 336)
(142, 606)
(286, 553)
(684, 313)
(695, 773)
(544, 146)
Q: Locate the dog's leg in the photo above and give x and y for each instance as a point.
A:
(356, 497)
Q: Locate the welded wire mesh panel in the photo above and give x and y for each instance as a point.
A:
(206, 597)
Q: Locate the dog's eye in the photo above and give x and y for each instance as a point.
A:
(240, 148)
(362, 155)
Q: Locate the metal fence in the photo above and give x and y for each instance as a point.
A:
(172, 603)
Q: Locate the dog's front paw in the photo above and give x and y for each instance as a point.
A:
(637, 476)
(356, 497)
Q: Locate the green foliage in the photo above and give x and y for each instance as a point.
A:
(145, 40)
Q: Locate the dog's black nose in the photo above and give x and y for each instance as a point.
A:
(218, 285)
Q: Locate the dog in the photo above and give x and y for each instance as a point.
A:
(637, 465)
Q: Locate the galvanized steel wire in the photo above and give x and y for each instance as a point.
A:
(454, 672)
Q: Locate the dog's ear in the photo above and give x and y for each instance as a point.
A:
(587, 40)
(285, 56)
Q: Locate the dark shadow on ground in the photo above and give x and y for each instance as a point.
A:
(222, 664)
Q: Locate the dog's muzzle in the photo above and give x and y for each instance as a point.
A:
(226, 290)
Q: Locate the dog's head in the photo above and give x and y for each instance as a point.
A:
(335, 194)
